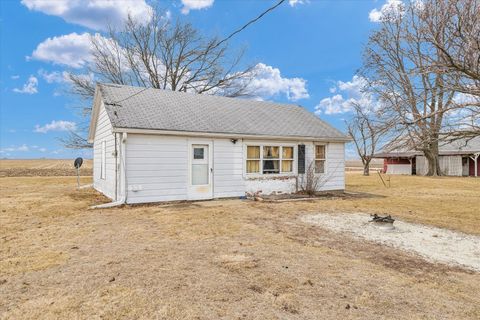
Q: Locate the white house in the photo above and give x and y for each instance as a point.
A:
(155, 145)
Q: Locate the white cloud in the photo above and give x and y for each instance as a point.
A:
(93, 14)
(269, 82)
(195, 5)
(348, 94)
(22, 148)
(60, 125)
(391, 9)
(39, 148)
(54, 76)
(293, 3)
(333, 105)
(72, 50)
(15, 77)
(30, 87)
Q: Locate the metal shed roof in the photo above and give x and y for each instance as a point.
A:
(464, 146)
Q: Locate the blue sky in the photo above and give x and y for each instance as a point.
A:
(306, 52)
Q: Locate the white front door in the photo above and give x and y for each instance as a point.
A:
(200, 171)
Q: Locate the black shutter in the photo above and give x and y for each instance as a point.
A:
(301, 158)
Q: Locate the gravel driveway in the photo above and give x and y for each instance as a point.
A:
(433, 244)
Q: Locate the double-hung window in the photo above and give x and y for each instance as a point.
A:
(267, 159)
(320, 159)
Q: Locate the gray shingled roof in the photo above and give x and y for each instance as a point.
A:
(140, 108)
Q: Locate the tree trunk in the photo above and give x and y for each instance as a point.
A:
(366, 168)
(433, 161)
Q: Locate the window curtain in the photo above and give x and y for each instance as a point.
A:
(271, 152)
(287, 152)
(287, 165)
(319, 152)
(253, 166)
(253, 152)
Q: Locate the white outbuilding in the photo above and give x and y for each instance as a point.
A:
(152, 145)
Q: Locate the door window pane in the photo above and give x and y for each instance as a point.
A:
(199, 174)
(198, 153)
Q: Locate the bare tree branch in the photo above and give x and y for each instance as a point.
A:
(162, 54)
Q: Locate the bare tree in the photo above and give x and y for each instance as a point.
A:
(401, 66)
(367, 132)
(461, 19)
(162, 54)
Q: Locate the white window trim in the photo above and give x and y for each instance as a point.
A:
(325, 167)
(268, 144)
(103, 160)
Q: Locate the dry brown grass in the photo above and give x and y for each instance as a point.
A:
(43, 167)
(447, 202)
(226, 259)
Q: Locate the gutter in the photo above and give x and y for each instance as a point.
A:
(229, 135)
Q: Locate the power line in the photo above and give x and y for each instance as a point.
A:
(220, 42)
(250, 22)
(116, 103)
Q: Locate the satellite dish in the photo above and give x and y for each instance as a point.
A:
(78, 162)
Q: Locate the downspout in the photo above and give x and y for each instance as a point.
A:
(116, 167)
(123, 197)
(476, 163)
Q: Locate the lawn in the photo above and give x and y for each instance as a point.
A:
(228, 259)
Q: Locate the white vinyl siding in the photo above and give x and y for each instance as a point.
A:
(104, 161)
(227, 169)
(334, 176)
(157, 168)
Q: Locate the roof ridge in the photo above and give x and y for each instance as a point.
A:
(115, 85)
